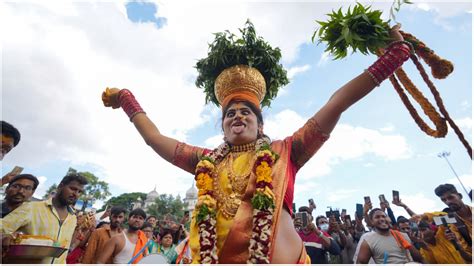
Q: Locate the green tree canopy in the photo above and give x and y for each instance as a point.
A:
(167, 204)
(125, 200)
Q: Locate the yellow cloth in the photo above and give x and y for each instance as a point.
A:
(240, 166)
(443, 252)
(41, 218)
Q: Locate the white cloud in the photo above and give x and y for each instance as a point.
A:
(214, 141)
(292, 72)
(369, 165)
(41, 189)
(352, 143)
(419, 203)
(323, 60)
(388, 128)
(340, 194)
(466, 180)
(465, 123)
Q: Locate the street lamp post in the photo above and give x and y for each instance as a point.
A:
(445, 155)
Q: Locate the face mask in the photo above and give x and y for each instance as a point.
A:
(324, 227)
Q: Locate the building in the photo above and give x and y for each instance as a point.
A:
(191, 198)
(150, 198)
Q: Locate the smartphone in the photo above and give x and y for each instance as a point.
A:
(382, 198)
(303, 216)
(311, 204)
(347, 219)
(294, 208)
(367, 199)
(359, 210)
(17, 170)
(337, 215)
(396, 196)
(343, 213)
(444, 220)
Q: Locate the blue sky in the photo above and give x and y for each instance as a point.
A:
(57, 58)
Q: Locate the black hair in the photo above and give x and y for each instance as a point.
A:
(441, 189)
(10, 131)
(166, 232)
(145, 225)
(304, 209)
(100, 224)
(151, 216)
(401, 219)
(319, 218)
(137, 212)
(25, 176)
(372, 212)
(250, 105)
(73, 177)
(423, 224)
(116, 210)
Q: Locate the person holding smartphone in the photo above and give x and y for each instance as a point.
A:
(316, 241)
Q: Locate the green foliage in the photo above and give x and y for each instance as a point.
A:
(167, 204)
(52, 188)
(125, 200)
(360, 29)
(261, 202)
(396, 7)
(227, 50)
(204, 211)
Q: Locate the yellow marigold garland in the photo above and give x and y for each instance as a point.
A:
(263, 203)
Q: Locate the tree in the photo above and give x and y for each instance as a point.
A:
(52, 188)
(167, 204)
(125, 200)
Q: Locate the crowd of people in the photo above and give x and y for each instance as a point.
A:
(376, 236)
(246, 186)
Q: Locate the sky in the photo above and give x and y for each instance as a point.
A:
(58, 56)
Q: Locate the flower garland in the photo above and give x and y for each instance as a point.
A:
(263, 203)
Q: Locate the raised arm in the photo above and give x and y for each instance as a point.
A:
(163, 145)
(308, 139)
(360, 86)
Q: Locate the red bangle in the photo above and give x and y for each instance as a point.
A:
(394, 57)
(129, 104)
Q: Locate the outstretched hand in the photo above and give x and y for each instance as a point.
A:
(395, 34)
(110, 98)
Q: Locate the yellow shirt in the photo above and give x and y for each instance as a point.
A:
(443, 252)
(41, 218)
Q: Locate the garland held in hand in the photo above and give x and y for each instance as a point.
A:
(263, 203)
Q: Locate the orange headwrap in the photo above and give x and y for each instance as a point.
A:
(241, 96)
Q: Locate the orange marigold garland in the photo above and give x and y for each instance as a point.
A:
(440, 68)
(429, 110)
(263, 203)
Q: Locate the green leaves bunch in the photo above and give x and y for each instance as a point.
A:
(360, 29)
(228, 50)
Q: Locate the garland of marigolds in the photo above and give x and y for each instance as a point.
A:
(441, 68)
(263, 203)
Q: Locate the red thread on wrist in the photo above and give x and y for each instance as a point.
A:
(129, 104)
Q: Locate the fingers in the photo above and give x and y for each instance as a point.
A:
(397, 27)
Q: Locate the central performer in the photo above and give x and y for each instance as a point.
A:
(246, 185)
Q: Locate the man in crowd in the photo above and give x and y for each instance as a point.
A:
(438, 246)
(10, 138)
(127, 247)
(385, 245)
(334, 230)
(462, 212)
(53, 218)
(152, 220)
(317, 242)
(99, 237)
(20, 189)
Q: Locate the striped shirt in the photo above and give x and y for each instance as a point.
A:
(41, 218)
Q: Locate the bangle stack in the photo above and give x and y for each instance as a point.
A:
(129, 104)
(396, 54)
